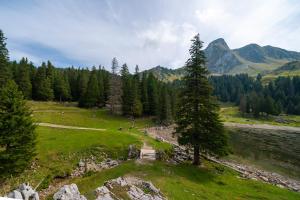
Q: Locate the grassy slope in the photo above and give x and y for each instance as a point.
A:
(231, 113)
(58, 151)
(189, 182)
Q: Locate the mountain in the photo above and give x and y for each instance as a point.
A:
(220, 59)
(251, 59)
(166, 74)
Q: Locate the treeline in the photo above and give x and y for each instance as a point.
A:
(137, 94)
(281, 95)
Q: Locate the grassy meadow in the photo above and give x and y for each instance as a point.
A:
(231, 113)
(59, 150)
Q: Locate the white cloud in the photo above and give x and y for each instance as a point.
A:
(145, 33)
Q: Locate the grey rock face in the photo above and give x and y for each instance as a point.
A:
(68, 192)
(220, 59)
(24, 191)
(134, 187)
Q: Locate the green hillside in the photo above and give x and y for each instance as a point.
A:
(59, 151)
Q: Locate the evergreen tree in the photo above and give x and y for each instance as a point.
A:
(17, 135)
(23, 78)
(43, 85)
(198, 122)
(82, 81)
(164, 109)
(137, 109)
(115, 89)
(127, 97)
(5, 73)
(152, 94)
(61, 87)
(100, 78)
(144, 94)
(91, 96)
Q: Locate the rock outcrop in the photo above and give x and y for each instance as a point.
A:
(91, 165)
(24, 191)
(133, 188)
(68, 192)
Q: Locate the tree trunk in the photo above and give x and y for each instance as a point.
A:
(196, 155)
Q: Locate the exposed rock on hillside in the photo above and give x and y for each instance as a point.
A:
(128, 187)
(24, 191)
(68, 192)
(91, 165)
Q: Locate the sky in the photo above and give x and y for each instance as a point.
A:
(148, 33)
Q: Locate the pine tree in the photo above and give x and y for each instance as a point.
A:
(144, 94)
(100, 77)
(5, 73)
(152, 94)
(61, 87)
(127, 97)
(82, 81)
(164, 108)
(91, 96)
(137, 107)
(115, 89)
(23, 78)
(43, 85)
(198, 122)
(17, 135)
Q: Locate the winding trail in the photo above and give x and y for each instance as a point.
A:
(69, 127)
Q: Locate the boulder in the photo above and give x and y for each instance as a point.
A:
(103, 193)
(68, 192)
(24, 191)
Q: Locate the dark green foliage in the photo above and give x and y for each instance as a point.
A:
(115, 89)
(43, 85)
(5, 73)
(127, 91)
(198, 122)
(152, 94)
(164, 106)
(23, 78)
(144, 94)
(92, 93)
(17, 136)
(61, 87)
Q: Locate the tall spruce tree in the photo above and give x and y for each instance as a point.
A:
(23, 78)
(164, 108)
(198, 122)
(144, 94)
(127, 98)
(100, 77)
(137, 107)
(152, 94)
(43, 85)
(115, 89)
(5, 73)
(61, 87)
(91, 96)
(17, 135)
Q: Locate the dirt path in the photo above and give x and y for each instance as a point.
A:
(263, 126)
(69, 127)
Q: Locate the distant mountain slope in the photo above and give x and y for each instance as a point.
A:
(166, 74)
(291, 66)
(288, 69)
(251, 59)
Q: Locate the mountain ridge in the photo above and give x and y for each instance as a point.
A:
(251, 59)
